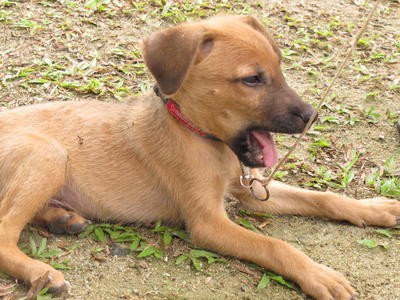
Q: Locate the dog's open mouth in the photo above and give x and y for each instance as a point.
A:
(262, 147)
(255, 148)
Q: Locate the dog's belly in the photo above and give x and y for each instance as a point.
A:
(118, 207)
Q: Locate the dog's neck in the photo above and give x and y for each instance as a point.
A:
(174, 110)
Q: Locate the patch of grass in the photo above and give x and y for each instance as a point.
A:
(370, 114)
(40, 252)
(386, 181)
(388, 233)
(148, 251)
(247, 224)
(113, 233)
(169, 232)
(372, 244)
(28, 24)
(195, 257)
(268, 276)
(319, 144)
(43, 295)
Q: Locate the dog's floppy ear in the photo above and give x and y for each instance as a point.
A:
(257, 25)
(170, 53)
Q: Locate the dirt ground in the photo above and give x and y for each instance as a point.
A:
(73, 50)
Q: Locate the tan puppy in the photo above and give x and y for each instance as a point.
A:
(63, 162)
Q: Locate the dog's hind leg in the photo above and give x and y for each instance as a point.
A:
(286, 199)
(32, 170)
(59, 220)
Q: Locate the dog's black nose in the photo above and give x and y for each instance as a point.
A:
(306, 115)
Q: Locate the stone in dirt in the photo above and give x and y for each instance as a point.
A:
(118, 250)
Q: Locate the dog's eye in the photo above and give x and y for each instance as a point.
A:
(252, 80)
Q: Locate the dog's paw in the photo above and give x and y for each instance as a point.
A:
(49, 278)
(70, 223)
(378, 211)
(59, 289)
(323, 283)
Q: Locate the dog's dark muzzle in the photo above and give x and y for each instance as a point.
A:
(286, 112)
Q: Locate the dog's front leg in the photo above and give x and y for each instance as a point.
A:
(211, 228)
(286, 199)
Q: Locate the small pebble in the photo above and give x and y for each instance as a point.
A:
(118, 250)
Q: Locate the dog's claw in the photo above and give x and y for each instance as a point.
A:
(78, 227)
(58, 226)
(58, 290)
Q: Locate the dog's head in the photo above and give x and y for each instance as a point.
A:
(225, 75)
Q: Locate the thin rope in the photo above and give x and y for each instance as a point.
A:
(325, 94)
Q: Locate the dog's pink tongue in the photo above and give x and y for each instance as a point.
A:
(264, 138)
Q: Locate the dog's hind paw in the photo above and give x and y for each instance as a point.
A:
(71, 223)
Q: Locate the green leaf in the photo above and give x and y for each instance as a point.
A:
(196, 263)
(263, 282)
(70, 85)
(60, 266)
(50, 254)
(147, 252)
(370, 179)
(210, 256)
(135, 244)
(99, 234)
(113, 234)
(348, 177)
(126, 237)
(88, 231)
(202, 253)
(257, 214)
(384, 245)
(158, 253)
(44, 296)
(368, 243)
(161, 229)
(390, 188)
(246, 223)
(33, 246)
(181, 234)
(167, 238)
(42, 246)
(181, 259)
(38, 81)
(73, 247)
(279, 279)
(96, 250)
(43, 292)
(384, 232)
(157, 226)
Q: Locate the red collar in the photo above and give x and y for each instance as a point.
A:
(176, 112)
